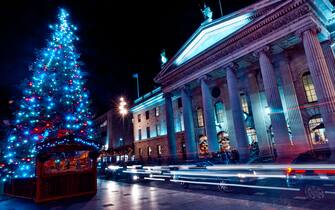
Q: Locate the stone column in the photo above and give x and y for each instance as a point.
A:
(258, 114)
(237, 113)
(330, 59)
(191, 147)
(278, 121)
(213, 145)
(322, 81)
(170, 127)
(229, 115)
(295, 120)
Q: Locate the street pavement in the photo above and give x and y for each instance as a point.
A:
(159, 195)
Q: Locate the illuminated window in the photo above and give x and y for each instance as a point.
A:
(200, 118)
(140, 152)
(317, 130)
(148, 132)
(181, 122)
(149, 151)
(251, 133)
(309, 88)
(219, 112)
(139, 134)
(157, 111)
(159, 150)
(244, 103)
(147, 115)
(139, 118)
(158, 129)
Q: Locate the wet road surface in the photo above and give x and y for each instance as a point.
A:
(157, 195)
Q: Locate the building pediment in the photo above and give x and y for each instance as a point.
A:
(212, 37)
(209, 34)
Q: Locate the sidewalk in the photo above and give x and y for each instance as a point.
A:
(4, 197)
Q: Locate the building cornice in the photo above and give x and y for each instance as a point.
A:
(281, 22)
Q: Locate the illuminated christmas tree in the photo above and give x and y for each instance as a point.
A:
(54, 105)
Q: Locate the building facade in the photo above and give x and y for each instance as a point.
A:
(265, 74)
(150, 131)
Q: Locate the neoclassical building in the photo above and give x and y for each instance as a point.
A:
(265, 73)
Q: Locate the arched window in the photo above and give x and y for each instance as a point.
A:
(309, 87)
(219, 112)
(244, 103)
(317, 130)
(200, 117)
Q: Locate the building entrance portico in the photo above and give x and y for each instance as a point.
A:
(264, 66)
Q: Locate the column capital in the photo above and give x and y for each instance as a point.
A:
(329, 41)
(265, 49)
(232, 66)
(284, 57)
(205, 78)
(168, 95)
(314, 29)
(186, 88)
(185, 91)
(231, 70)
(252, 73)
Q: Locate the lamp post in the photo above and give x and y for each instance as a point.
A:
(122, 145)
(123, 112)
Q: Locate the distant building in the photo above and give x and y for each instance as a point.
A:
(265, 73)
(114, 135)
(104, 129)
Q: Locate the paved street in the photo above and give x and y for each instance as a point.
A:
(119, 195)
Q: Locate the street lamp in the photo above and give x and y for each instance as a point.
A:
(122, 107)
(123, 112)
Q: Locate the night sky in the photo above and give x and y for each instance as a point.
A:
(117, 39)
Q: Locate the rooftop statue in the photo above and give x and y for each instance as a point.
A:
(207, 13)
(163, 57)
